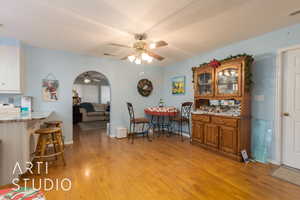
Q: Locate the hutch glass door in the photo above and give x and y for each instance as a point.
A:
(205, 81)
(228, 81)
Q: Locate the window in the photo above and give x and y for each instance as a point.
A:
(105, 94)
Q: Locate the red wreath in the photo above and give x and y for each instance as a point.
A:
(214, 63)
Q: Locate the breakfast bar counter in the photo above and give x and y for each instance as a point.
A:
(23, 117)
(17, 141)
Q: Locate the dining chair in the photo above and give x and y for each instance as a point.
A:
(183, 118)
(134, 122)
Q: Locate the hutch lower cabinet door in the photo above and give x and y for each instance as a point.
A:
(198, 132)
(211, 135)
(228, 139)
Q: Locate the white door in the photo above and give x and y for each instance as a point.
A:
(291, 109)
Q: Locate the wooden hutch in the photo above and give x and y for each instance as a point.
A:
(221, 117)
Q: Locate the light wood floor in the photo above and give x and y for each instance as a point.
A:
(164, 169)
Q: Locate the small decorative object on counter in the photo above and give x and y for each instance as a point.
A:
(161, 103)
(26, 104)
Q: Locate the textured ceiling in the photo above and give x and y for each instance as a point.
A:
(189, 26)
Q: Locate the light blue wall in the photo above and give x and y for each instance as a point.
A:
(123, 78)
(264, 48)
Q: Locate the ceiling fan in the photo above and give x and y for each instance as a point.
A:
(142, 50)
(87, 78)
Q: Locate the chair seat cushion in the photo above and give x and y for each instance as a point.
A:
(140, 120)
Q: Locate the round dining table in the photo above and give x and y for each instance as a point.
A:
(161, 116)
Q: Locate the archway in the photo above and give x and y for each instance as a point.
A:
(91, 95)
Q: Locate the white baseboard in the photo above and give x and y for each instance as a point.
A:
(69, 142)
(274, 162)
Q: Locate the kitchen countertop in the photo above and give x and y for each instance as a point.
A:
(21, 117)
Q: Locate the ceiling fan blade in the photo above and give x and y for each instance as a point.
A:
(124, 58)
(119, 45)
(156, 56)
(157, 44)
(108, 54)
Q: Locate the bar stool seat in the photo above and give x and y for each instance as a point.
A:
(49, 136)
(54, 123)
(47, 130)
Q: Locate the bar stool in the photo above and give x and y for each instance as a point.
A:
(49, 136)
(57, 124)
(54, 124)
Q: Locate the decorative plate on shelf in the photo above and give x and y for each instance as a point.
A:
(145, 87)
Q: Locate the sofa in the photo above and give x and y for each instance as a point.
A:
(94, 112)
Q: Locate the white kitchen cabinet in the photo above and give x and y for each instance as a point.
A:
(10, 69)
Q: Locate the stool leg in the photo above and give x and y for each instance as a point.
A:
(61, 133)
(44, 139)
(54, 141)
(38, 147)
(60, 146)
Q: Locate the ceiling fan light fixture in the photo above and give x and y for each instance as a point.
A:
(152, 46)
(145, 56)
(86, 80)
(131, 58)
(138, 61)
(150, 59)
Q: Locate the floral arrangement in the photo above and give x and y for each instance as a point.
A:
(214, 63)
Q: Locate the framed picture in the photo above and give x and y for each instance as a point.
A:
(178, 85)
(49, 90)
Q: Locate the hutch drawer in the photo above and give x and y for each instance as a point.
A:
(202, 118)
(224, 121)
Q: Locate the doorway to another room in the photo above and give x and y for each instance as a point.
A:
(91, 103)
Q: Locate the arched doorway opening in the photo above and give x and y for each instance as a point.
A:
(91, 103)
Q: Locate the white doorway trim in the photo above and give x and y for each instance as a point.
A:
(278, 105)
